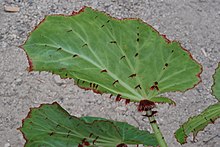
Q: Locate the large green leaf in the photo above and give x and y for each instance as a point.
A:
(209, 115)
(51, 125)
(127, 58)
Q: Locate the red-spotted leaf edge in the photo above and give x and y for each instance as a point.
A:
(50, 125)
(124, 57)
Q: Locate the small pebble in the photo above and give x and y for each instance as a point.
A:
(20, 73)
(121, 109)
(12, 9)
(78, 115)
(7, 145)
(58, 80)
(156, 27)
(18, 81)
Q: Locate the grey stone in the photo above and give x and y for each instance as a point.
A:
(58, 80)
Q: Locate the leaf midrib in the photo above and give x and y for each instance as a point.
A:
(136, 94)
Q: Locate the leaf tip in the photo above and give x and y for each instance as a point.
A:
(166, 39)
(30, 68)
(180, 135)
(81, 10)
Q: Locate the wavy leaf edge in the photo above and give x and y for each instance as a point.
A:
(90, 120)
(127, 100)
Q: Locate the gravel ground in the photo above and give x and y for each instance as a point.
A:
(195, 23)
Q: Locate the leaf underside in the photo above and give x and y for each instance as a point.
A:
(209, 115)
(51, 125)
(127, 58)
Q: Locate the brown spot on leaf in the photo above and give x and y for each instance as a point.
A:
(51, 133)
(84, 142)
(90, 135)
(96, 91)
(81, 10)
(80, 145)
(118, 97)
(212, 121)
(122, 145)
(113, 42)
(122, 57)
(127, 101)
(104, 70)
(166, 39)
(84, 45)
(133, 75)
(77, 82)
(146, 105)
(59, 48)
(154, 87)
(116, 81)
(95, 140)
(138, 86)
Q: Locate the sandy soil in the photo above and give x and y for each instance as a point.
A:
(195, 23)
